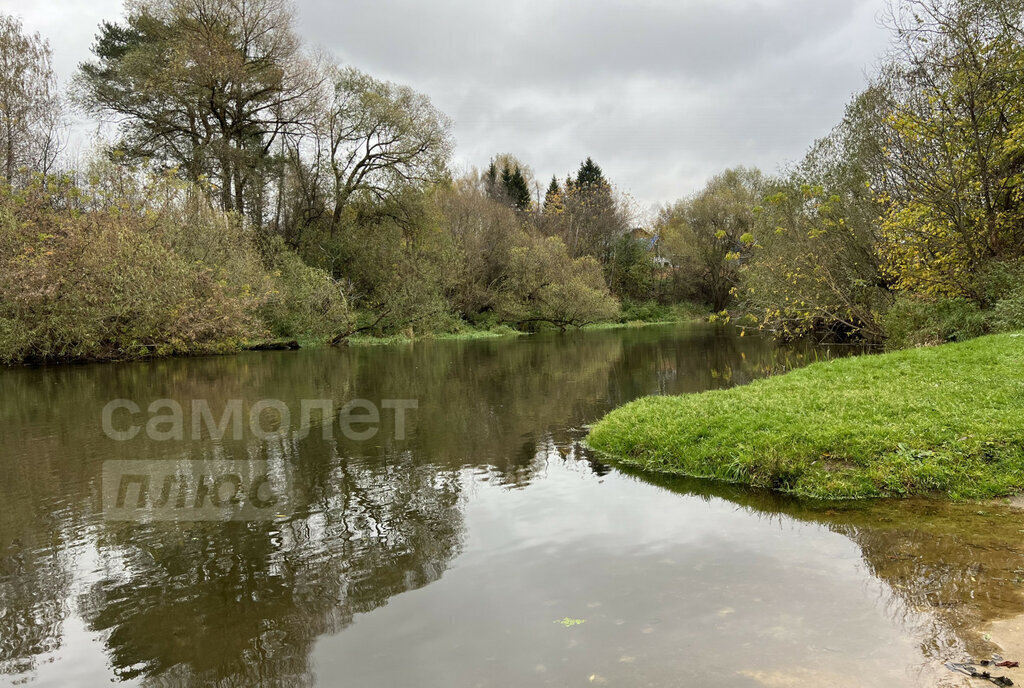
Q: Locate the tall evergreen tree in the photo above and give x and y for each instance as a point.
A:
(491, 180)
(553, 197)
(513, 189)
(590, 174)
(518, 190)
(594, 218)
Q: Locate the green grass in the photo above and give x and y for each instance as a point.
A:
(467, 333)
(659, 315)
(490, 333)
(626, 325)
(946, 420)
(641, 315)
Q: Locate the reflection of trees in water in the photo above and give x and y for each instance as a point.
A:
(949, 568)
(242, 604)
(960, 568)
(33, 593)
(226, 602)
(38, 532)
(480, 402)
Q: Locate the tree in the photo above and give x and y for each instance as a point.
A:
(816, 264)
(591, 218)
(30, 109)
(379, 139)
(543, 284)
(711, 234)
(631, 270)
(508, 181)
(205, 85)
(490, 180)
(483, 231)
(590, 175)
(516, 190)
(954, 145)
(553, 197)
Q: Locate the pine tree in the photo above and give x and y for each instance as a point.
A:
(516, 189)
(509, 186)
(553, 197)
(491, 180)
(590, 174)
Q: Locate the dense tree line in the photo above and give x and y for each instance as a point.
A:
(254, 189)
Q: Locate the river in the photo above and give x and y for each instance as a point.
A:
(474, 542)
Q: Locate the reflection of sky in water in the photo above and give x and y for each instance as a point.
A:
(672, 589)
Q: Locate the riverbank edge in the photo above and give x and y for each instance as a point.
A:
(945, 421)
(285, 344)
(499, 332)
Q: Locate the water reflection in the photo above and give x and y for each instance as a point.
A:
(257, 603)
(241, 604)
(953, 567)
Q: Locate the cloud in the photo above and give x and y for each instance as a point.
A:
(662, 93)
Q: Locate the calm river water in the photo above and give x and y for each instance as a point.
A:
(481, 545)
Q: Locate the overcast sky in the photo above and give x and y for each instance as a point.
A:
(661, 93)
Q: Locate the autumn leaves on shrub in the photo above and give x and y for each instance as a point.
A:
(125, 266)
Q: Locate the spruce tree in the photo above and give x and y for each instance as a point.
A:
(517, 190)
(590, 175)
(491, 180)
(553, 197)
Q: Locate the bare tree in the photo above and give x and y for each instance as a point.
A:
(31, 132)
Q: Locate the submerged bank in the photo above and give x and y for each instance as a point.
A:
(947, 421)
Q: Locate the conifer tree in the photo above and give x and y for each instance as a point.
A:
(553, 197)
(590, 174)
(517, 190)
(491, 180)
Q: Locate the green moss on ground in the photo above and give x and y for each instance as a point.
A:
(946, 420)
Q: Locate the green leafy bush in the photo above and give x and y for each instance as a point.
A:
(544, 285)
(126, 266)
(921, 321)
(645, 311)
(1008, 314)
(303, 300)
(131, 264)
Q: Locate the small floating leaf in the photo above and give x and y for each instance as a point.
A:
(569, 623)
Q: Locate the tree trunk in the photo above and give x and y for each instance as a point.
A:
(9, 163)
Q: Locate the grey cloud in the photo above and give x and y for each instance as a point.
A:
(662, 93)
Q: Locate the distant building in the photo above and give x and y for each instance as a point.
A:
(651, 242)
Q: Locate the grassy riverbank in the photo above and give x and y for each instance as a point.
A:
(462, 335)
(945, 420)
(643, 315)
(681, 313)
